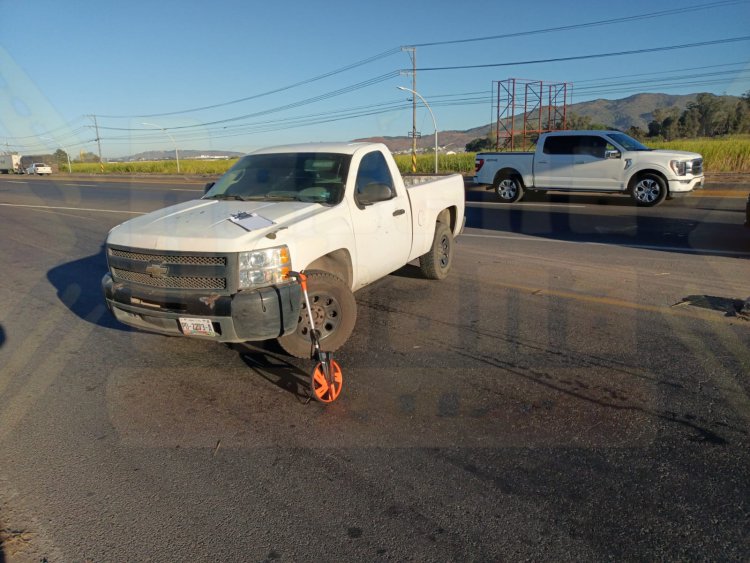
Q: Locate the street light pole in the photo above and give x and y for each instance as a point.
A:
(176, 154)
(433, 120)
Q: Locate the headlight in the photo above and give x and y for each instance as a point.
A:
(679, 167)
(263, 267)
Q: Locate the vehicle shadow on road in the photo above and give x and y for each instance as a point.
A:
(78, 286)
(643, 227)
(269, 364)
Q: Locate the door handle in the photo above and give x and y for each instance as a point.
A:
(399, 212)
(580, 162)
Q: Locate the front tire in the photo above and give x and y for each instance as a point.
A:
(436, 262)
(334, 313)
(648, 190)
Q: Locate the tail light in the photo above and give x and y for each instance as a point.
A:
(478, 163)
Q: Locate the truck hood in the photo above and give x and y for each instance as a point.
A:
(204, 225)
(682, 155)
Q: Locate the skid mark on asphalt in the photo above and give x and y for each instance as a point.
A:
(197, 407)
(729, 387)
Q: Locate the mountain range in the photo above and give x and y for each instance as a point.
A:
(636, 110)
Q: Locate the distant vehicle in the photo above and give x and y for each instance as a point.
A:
(10, 164)
(591, 161)
(39, 168)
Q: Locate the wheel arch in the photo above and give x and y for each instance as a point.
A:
(449, 216)
(337, 262)
(638, 174)
(507, 172)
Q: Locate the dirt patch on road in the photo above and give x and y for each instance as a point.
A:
(13, 543)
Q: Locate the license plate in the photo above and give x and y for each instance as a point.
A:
(197, 327)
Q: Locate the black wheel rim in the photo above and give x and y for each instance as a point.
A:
(326, 311)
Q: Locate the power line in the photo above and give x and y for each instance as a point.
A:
(681, 10)
(325, 96)
(597, 56)
(362, 62)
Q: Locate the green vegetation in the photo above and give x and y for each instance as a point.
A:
(721, 154)
(187, 167)
(459, 162)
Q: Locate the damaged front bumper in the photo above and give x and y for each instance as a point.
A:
(246, 316)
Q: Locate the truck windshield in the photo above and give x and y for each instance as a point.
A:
(308, 177)
(628, 143)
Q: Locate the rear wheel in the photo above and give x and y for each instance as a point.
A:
(436, 263)
(648, 190)
(508, 188)
(334, 312)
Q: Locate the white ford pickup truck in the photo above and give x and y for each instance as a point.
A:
(594, 161)
(216, 268)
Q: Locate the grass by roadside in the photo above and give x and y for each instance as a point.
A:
(721, 155)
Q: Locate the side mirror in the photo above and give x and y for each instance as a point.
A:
(208, 187)
(373, 193)
(612, 154)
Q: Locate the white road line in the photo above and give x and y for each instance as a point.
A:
(74, 208)
(638, 246)
(141, 187)
(498, 204)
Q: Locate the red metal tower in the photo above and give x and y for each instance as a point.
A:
(523, 112)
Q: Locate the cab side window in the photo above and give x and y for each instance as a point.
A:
(564, 144)
(374, 181)
(591, 145)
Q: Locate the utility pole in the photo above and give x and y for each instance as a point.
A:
(413, 54)
(98, 142)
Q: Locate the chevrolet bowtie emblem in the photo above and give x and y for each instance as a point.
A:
(156, 270)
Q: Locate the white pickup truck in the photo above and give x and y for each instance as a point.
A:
(216, 268)
(39, 168)
(591, 161)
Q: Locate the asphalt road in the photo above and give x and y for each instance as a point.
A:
(577, 389)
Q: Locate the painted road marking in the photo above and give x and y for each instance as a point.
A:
(74, 208)
(638, 246)
(498, 204)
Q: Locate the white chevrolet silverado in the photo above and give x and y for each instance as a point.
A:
(216, 268)
(591, 161)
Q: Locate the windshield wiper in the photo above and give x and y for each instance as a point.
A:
(226, 196)
(277, 197)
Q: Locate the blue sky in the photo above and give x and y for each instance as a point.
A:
(259, 68)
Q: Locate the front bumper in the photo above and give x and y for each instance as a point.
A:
(686, 185)
(247, 316)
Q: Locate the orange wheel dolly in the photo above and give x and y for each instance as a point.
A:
(326, 378)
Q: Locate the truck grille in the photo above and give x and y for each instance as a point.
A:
(191, 259)
(697, 166)
(169, 270)
(170, 282)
